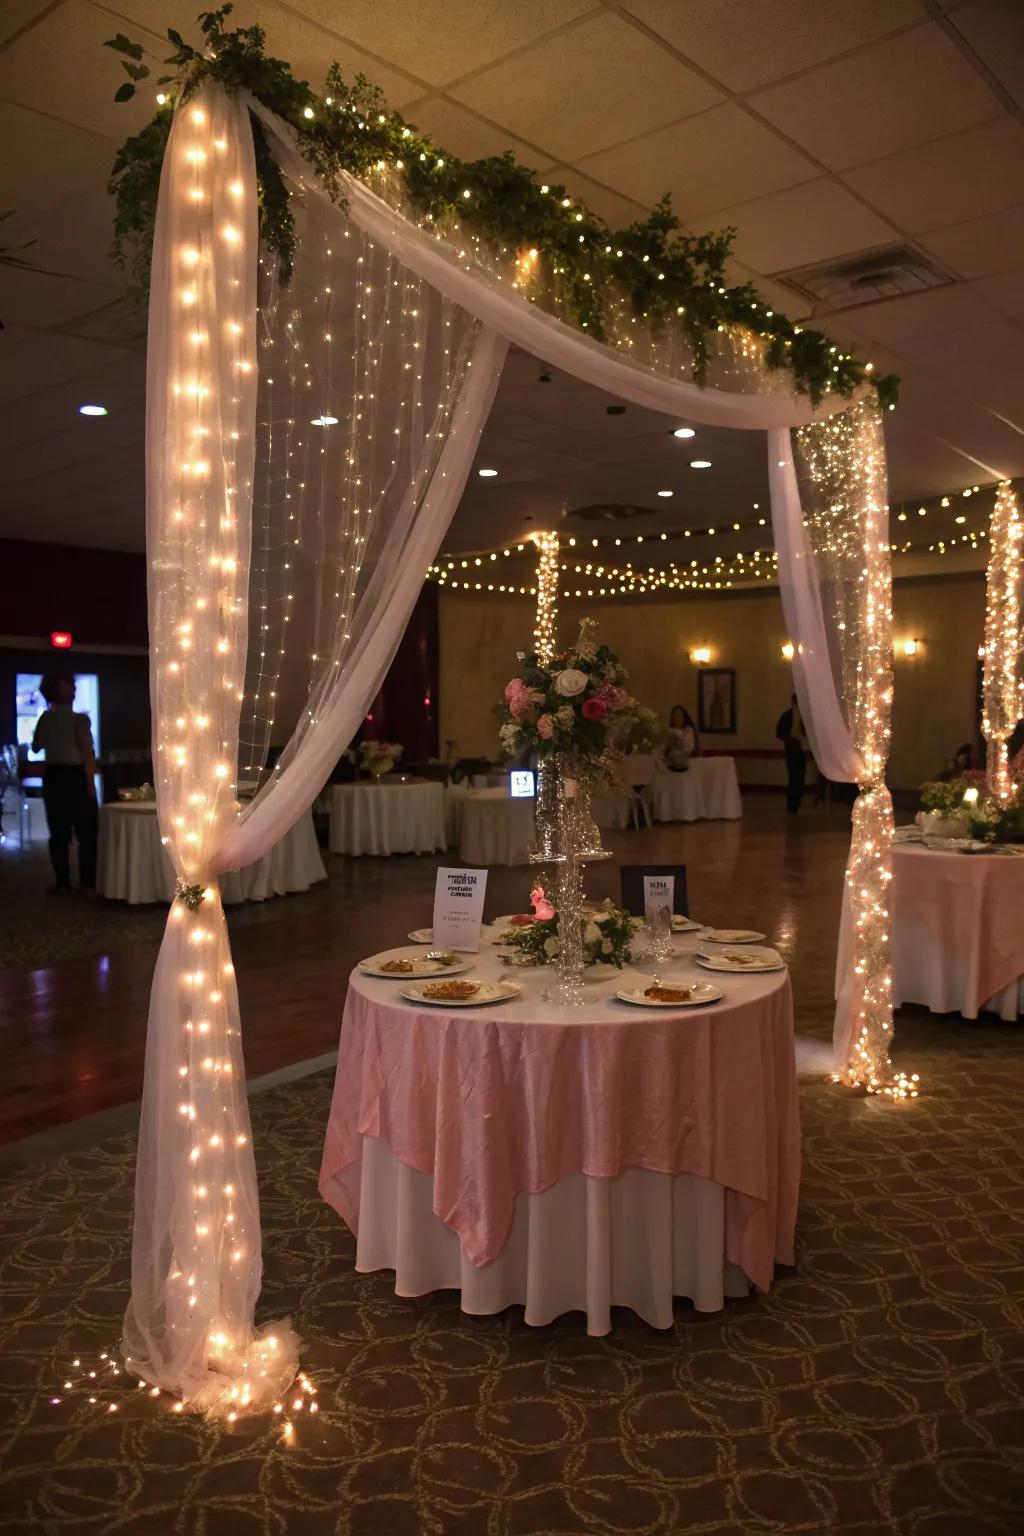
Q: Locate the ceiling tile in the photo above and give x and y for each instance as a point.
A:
(442, 40)
(901, 92)
(464, 134)
(746, 43)
(19, 13)
(799, 226)
(567, 92)
(712, 161)
(922, 314)
(982, 246)
(1005, 292)
(960, 177)
(54, 161)
(995, 30)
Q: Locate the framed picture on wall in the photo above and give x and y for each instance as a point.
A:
(716, 700)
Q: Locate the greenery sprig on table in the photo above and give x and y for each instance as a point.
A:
(666, 274)
(967, 798)
(607, 931)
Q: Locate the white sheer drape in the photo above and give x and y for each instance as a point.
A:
(375, 375)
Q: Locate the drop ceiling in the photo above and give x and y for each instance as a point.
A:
(820, 129)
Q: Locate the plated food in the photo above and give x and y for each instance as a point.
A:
(731, 935)
(461, 994)
(440, 963)
(681, 924)
(695, 994)
(740, 960)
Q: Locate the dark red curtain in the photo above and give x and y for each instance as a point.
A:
(406, 708)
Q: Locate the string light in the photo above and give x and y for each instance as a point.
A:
(546, 624)
(848, 529)
(1002, 687)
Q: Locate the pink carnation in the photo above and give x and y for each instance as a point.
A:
(594, 709)
(546, 727)
(514, 689)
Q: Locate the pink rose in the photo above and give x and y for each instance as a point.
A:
(519, 706)
(543, 911)
(514, 689)
(546, 727)
(594, 709)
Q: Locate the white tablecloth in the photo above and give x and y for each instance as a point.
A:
(708, 790)
(381, 819)
(134, 866)
(488, 827)
(584, 1244)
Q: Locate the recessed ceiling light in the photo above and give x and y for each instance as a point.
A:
(92, 410)
(487, 474)
(324, 421)
(664, 493)
(684, 432)
(700, 463)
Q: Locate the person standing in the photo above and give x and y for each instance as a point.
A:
(790, 731)
(69, 782)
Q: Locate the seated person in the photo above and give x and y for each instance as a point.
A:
(683, 741)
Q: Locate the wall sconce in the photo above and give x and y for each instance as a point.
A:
(701, 656)
(788, 651)
(910, 647)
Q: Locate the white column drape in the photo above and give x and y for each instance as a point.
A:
(367, 391)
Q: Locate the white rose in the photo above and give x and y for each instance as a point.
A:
(591, 933)
(570, 682)
(551, 946)
(602, 918)
(606, 946)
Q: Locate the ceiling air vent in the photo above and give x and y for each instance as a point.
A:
(893, 272)
(610, 512)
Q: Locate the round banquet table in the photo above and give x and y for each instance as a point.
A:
(380, 819)
(707, 791)
(958, 930)
(489, 827)
(569, 1159)
(134, 866)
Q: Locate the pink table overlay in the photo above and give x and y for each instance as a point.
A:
(503, 1101)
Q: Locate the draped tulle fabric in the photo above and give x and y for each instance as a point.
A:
(306, 448)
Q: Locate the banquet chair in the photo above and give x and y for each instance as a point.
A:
(637, 771)
(631, 882)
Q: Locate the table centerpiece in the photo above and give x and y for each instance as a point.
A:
(379, 757)
(965, 807)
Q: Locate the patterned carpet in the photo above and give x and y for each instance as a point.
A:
(878, 1389)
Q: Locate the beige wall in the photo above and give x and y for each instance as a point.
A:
(934, 697)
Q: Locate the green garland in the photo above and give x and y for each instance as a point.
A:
(666, 274)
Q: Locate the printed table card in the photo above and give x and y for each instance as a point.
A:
(459, 908)
(659, 891)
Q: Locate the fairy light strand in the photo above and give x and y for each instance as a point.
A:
(546, 625)
(1002, 682)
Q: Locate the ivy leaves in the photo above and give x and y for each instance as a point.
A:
(664, 275)
(135, 71)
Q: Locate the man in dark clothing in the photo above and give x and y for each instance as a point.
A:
(790, 731)
(69, 782)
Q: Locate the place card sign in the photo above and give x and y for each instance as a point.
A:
(459, 908)
(659, 891)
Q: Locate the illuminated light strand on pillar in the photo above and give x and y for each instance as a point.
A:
(546, 623)
(848, 530)
(1002, 680)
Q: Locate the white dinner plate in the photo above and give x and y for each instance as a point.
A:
(751, 962)
(487, 992)
(509, 920)
(731, 935)
(701, 993)
(421, 936)
(374, 966)
(681, 924)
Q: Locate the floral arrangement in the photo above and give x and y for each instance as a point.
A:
(967, 807)
(606, 933)
(380, 757)
(573, 704)
(642, 730)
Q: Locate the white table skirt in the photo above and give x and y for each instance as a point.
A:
(611, 809)
(381, 819)
(134, 866)
(585, 1245)
(488, 827)
(708, 790)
